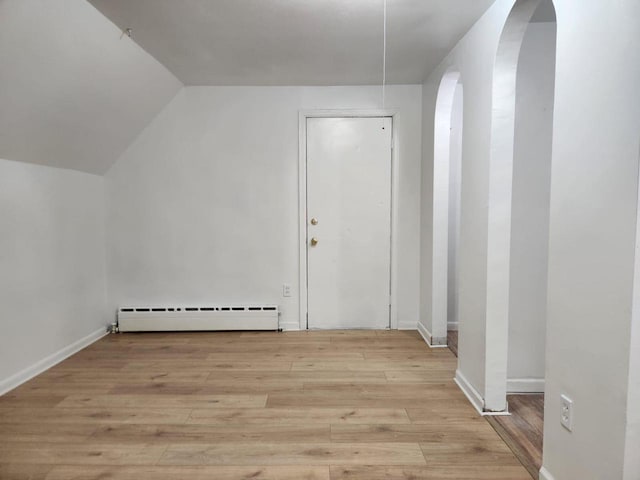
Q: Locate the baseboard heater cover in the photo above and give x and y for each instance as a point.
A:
(168, 319)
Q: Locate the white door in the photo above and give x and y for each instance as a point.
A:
(348, 222)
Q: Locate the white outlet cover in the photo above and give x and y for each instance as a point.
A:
(286, 290)
(566, 412)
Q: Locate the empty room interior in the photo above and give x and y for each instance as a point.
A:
(319, 240)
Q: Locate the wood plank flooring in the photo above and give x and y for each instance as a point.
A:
(452, 341)
(336, 405)
(522, 430)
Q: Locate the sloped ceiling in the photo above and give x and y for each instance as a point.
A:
(295, 42)
(73, 94)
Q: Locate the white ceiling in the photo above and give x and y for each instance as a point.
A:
(295, 42)
(72, 93)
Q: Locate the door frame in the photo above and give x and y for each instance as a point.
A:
(303, 323)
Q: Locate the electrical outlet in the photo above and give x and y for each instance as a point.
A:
(566, 414)
(286, 290)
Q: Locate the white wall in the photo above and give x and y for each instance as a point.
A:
(427, 220)
(473, 57)
(530, 208)
(52, 257)
(203, 206)
(592, 223)
(455, 164)
(594, 191)
(632, 437)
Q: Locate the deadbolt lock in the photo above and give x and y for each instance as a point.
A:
(314, 241)
(314, 221)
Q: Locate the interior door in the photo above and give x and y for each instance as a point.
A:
(348, 222)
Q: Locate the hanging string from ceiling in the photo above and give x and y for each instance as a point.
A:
(384, 50)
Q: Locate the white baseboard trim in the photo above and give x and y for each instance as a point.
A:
(439, 342)
(471, 393)
(424, 333)
(545, 475)
(46, 363)
(433, 342)
(525, 385)
(452, 326)
(289, 326)
(474, 396)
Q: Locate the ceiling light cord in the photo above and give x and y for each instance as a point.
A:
(384, 50)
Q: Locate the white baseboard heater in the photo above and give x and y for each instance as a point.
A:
(166, 319)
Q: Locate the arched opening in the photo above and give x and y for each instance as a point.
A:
(518, 217)
(530, 204)
(446, 206)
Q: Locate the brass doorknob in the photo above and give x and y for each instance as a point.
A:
(314, 241)
(314, 221)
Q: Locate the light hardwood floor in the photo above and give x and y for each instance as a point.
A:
(337, 405)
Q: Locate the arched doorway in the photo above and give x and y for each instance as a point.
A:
(446, 206)
(519, 182)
